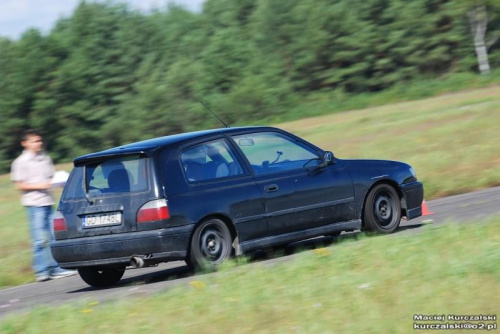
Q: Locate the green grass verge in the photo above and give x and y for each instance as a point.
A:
(15, 248)
(363, 285)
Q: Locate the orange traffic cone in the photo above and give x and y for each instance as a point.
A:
(425, 210)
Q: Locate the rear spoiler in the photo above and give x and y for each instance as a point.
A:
(100, 156)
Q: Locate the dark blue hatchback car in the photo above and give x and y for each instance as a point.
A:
(203, 196)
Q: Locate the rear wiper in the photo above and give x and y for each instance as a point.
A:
(87, 196)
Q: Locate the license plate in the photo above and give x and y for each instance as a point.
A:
(103, 219)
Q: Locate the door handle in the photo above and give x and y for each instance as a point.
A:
(270, 188)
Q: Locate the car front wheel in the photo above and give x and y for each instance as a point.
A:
(101, 277)
(382, 211)
(210, 245)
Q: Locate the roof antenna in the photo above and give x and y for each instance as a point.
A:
(206, 106)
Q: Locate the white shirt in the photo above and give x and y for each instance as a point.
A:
(33, 168)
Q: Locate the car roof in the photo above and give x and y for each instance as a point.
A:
(149, 146)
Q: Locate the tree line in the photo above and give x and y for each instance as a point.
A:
(109, 75)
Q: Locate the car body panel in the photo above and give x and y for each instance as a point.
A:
(127, 204)
(299, 199)
(307, 202)
(156, 246)
(366, 174)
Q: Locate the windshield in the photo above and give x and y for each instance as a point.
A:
(117, 175)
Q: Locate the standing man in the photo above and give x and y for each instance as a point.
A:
(31, 173)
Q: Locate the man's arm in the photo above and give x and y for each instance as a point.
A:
(20, 185)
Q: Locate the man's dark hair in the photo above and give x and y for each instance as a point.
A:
(29, 133)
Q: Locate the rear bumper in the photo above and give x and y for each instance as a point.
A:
(153, 246)
(414, 195)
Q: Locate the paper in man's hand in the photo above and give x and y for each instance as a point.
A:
(59, 179)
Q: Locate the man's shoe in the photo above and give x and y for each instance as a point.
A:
(42, 278)
(62, 273)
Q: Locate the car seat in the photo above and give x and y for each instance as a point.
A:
(118, 181)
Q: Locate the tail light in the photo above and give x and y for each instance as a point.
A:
(153, 211)
(59, 222)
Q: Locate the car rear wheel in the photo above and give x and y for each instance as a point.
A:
(210, 245)
(382, 211)
(101, 277)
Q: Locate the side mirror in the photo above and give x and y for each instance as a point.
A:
(328, 159)
(316, 164)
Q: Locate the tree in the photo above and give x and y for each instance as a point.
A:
(108, 75)
(23, 65)
(480, 14)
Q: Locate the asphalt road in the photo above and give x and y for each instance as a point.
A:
(469, 208)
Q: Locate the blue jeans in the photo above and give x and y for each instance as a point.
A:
(40, 218)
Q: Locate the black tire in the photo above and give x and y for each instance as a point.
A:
(101, 277)
(210, 245)
(382, 211)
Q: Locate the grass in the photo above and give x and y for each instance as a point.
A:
(450, 140)
(15, 246)
(358, 285)
(15, 261)
(327, 102)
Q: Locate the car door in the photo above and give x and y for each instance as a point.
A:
(296, 197)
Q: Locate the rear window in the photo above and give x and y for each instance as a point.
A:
(118, 175)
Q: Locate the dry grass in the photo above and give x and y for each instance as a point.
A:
(451, 140)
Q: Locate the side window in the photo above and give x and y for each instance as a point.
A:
(209, 161)
(270, 152)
